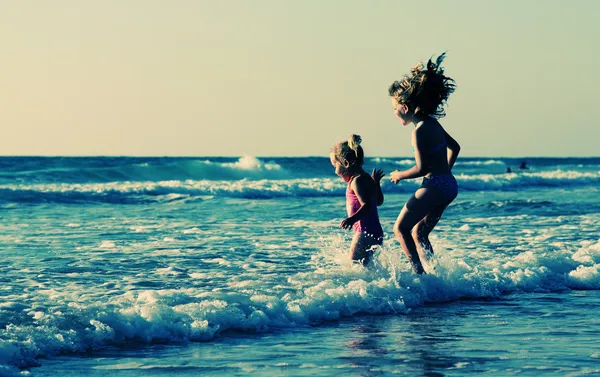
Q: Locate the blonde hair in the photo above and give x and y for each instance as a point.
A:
(426, 89)
(349, 152)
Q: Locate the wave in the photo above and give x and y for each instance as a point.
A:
(150, 191)
(511, 181)
(32, 170)
(410, 161)
(246, 167)
(133, 192)
(66, 323)
(406, 161)
(478, 163)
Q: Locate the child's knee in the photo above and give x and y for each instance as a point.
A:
(419, 232)
(402, 231)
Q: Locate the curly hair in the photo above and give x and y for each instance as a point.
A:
(349, 152)
(426, 89)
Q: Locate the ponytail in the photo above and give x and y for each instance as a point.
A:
(349, 152)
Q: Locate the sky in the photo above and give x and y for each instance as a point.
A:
(291, 78)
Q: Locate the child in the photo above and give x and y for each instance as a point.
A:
(363, 195)
(418, 99)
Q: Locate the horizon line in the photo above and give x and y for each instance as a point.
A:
(258, 156)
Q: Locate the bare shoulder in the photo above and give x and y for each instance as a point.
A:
(362, 180)
(420, 133)
(430, 129)
(428, 125)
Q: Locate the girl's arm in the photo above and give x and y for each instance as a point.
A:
(377, 175)
(453, 149)
(364, 191)
(417, 170)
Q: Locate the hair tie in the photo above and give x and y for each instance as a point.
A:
(354, 142)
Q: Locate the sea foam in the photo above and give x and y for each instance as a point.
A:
(131, 192)
(328, 292)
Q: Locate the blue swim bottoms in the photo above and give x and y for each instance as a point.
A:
(446, 183)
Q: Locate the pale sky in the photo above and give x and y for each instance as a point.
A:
(291, 78)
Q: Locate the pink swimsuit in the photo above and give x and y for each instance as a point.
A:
(369, 224)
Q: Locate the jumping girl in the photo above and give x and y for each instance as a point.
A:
(418, 99)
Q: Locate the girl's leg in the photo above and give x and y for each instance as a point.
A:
(423, 228)
(361, 247)
(416, 208)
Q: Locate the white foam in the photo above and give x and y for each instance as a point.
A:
(585, 277)
(330, 287)
(141, 229)
(192, 231)
(478, 163)
(280, 187)
(107, 244)
(252, 163)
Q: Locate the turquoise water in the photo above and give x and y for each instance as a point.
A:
(216, 266)
(510, 336)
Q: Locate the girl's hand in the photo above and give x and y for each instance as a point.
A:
(395, 176)
(347, 223)
(377, 175)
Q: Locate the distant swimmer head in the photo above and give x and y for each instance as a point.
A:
(423, 92)
(347, 155)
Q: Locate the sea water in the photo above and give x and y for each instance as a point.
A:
(236, 266)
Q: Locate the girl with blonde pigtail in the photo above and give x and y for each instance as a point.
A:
(363, 195)
(418, 99)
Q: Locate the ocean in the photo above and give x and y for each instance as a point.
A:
(215, 266)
